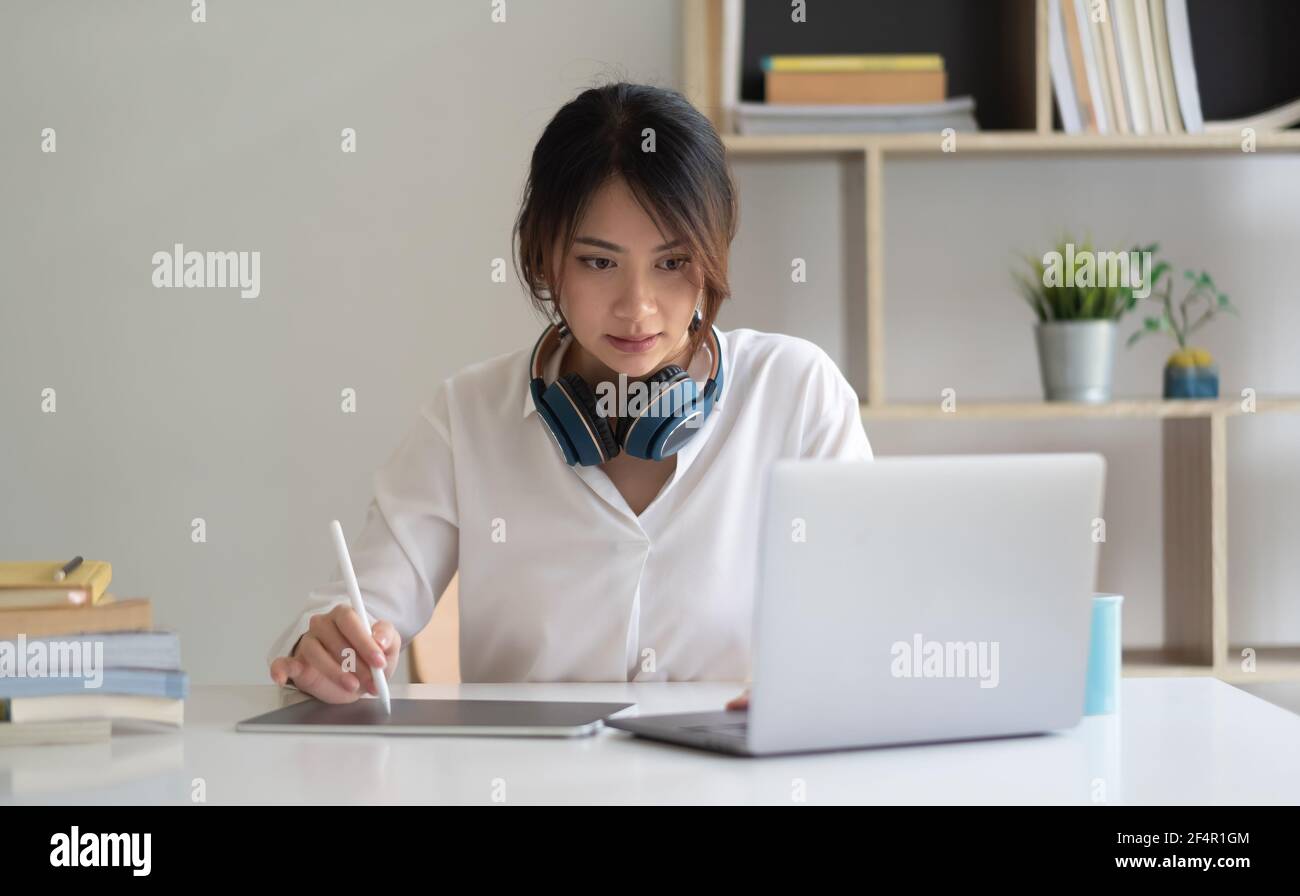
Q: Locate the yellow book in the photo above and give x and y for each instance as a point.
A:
(872, 62)
(134, 614)
(29, 585)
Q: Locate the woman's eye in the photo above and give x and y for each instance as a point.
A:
(600, 263)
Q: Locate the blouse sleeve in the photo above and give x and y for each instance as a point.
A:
(407, 550)
(832, 422)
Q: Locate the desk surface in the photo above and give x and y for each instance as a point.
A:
(1178, 740)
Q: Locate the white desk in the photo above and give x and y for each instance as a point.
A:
(1179, 740)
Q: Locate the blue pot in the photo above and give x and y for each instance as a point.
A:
(1191, 382)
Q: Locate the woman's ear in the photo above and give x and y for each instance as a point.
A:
(557, 316)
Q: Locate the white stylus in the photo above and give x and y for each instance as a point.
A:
(354, 591)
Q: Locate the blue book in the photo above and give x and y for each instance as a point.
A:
(129, 649)
(137, 682)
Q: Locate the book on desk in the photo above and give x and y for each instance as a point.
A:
(74, 659)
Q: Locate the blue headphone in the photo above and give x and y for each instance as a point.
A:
(673, 413)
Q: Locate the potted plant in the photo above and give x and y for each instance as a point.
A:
(1190, 371)
(1078, 308)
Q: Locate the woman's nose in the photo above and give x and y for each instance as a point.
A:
(637, 300)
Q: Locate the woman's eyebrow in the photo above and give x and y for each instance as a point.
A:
(614, 247)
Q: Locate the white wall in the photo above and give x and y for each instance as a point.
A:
(184, 403)
(175, 404)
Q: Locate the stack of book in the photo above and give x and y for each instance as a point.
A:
(1123, 67)
(74, 659)
(835, 94)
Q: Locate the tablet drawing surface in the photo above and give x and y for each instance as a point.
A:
(517, 718)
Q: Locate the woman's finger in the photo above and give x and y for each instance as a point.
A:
(354, 631)
(280, 667)
(314, 654)
(324, 629)
(739, 702)
(311, 680)
(390, 642)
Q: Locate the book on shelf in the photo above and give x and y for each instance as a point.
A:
(1073, 118)
(771, 118)
(1126, 66)
(1180, 57)
(1279, 118)
(861, 88)
(1104, 37)
(854, 93)
(1123, 52)
(1150, 77)
(1077, 46)
(854, 80)
(861, 62)
(1165, 69)
(1123, 18)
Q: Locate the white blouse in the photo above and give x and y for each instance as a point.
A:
(559, 579)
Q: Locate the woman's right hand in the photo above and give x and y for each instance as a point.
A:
(316, 665)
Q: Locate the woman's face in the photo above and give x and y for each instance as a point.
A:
(627, 297)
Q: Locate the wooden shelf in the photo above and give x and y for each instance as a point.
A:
(1128, 408)
(1272, 664)
(1157, 662)
(1005, 143)
(1277, 663)
(1193, 434)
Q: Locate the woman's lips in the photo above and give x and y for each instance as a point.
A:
(633, 346)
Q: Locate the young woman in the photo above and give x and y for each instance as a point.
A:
(599, 490)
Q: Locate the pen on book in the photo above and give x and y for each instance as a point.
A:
(354, 592)
(67, 568)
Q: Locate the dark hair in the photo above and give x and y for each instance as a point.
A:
(685, 185)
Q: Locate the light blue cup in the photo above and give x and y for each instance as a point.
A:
(1101, 693)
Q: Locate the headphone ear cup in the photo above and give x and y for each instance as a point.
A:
(576, 387)
(664, 375)
(674, 391)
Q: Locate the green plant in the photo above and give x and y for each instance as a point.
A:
(1177, 320)
(1073, 300)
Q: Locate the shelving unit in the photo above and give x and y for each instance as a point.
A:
(1193, 433)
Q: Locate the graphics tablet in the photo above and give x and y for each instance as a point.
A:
(510, 718)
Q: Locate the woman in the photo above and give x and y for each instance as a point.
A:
(598, 491)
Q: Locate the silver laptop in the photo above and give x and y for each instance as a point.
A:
(910, 600)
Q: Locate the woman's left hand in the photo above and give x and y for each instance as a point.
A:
(740, 702)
